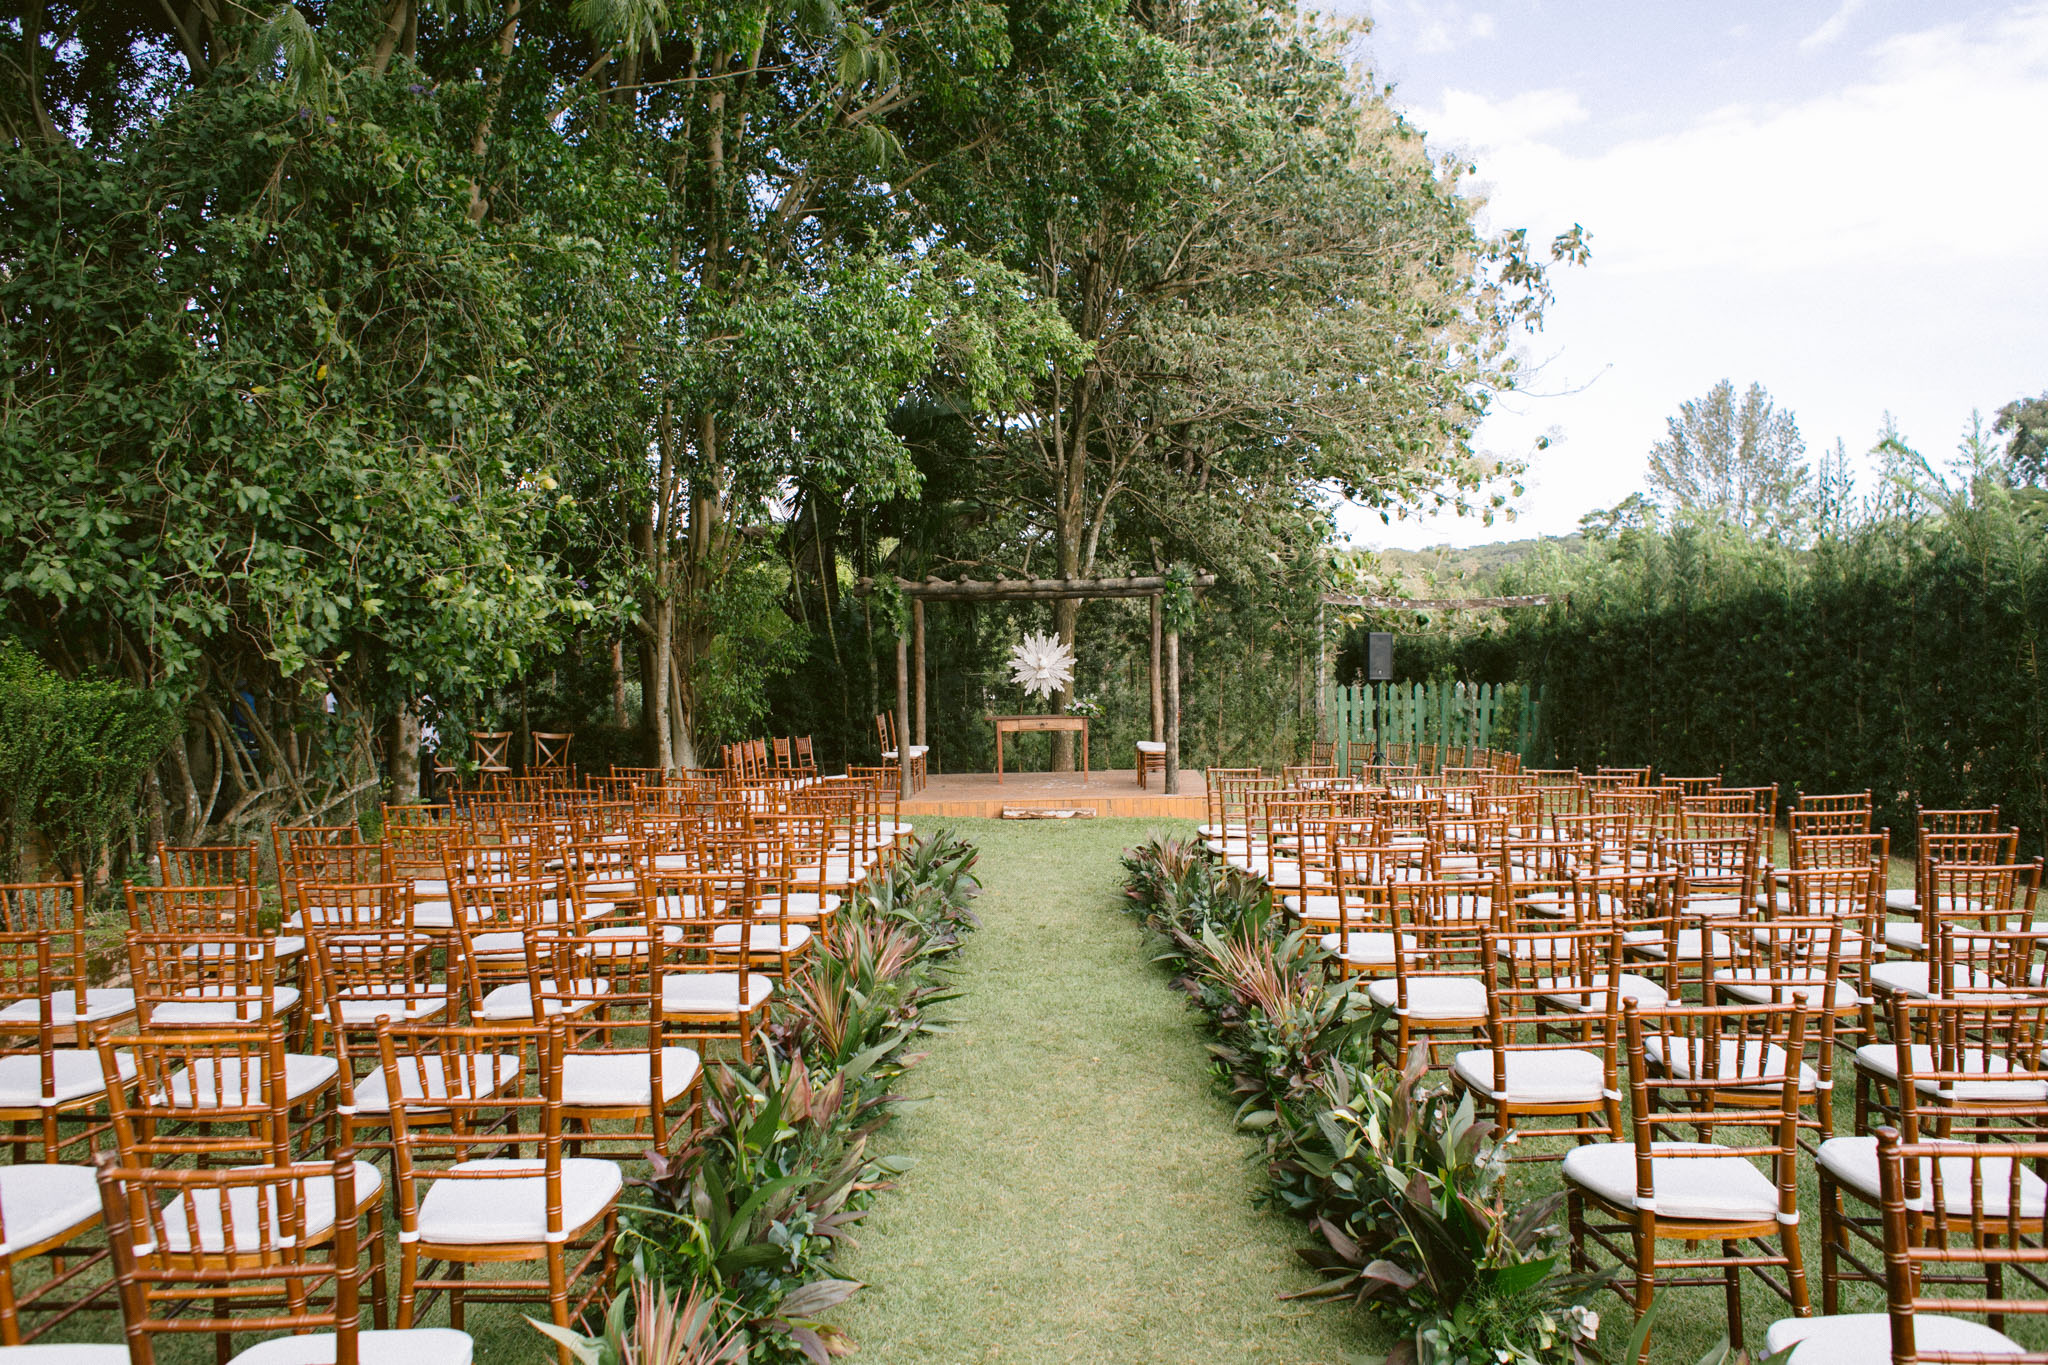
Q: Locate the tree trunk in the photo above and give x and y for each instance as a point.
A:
(404, 746)
(619, 683)
(1172, 713)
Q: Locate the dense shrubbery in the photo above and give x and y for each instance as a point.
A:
(72, 756)
(750, 1214)
(1402, 1186)
(1903, 655)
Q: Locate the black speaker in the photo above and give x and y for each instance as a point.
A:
(1379, 656)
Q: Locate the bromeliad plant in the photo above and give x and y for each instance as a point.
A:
(752, 1212)
(1402, 1185)
(1405, 1187)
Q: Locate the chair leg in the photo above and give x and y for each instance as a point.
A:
(1575, 1215)
(380, 1301)
(558, 1295)
(1832, 1243)
(1731, 1290)
(408, 1282)
(1795, 1271)
(1646, 1274)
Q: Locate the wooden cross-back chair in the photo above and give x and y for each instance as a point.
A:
(551, 749)
(490, 753)
(1688, 1176)
(273, 1251)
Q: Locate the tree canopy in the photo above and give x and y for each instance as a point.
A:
(375, 361)
(1743, 463)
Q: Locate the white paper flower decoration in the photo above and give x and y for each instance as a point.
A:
(1042, 665)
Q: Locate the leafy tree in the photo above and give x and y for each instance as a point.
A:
(1741, 463)
(2024, 422)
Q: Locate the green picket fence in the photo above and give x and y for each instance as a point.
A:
(1445, 714)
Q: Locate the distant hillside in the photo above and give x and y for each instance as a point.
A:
(1447, 570)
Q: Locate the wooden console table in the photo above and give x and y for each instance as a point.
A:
(1026, 725)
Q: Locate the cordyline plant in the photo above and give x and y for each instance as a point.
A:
(1401, 1183)
(751, 1212)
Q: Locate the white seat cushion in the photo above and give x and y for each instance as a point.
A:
(1853, 1162)
(415, 1346)
(1911, 978)
(77, 1072)
(515, 1000)
(373, 1093)
(241, 1081)
(441, 915)
(1433, 997)
(1882, 1059)
(1537, 1075)
(804, 905)
(1753, 1063)
(39, 1201)
(1151, 746)
(316, 1213)
(1866, 1338)
(762, 938)
(202, 1006)
(499, 944)
(1907, 935)
(513, 1208)
(599, 1080)
(1593, 999)
(1707, 1188)
(360, 1008)
(1741, 983)
(99, 1005)
(1654, 943)
(1366, 947)
(69, 1353)
(713, 993)
(1902, 900)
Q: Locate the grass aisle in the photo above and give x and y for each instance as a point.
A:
(1080, 1194)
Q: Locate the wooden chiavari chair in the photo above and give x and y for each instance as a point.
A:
(616, 1064)
(1992, 897)
(1966, 1070)
(1530, 1067)
(703, 997)
(1685, 1063)
(1987, 848)
(272, 1248)
(46, 1084)
(1436, 988)
(458, 1208)
(1971, 1194)
(73, 1008)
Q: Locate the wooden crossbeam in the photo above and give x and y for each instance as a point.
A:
(1341, 599)
(1032, 589)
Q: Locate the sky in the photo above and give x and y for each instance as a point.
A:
(1843, 200)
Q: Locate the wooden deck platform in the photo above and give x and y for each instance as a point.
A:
(1110, 793)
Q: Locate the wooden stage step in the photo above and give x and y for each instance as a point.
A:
(1109, 793)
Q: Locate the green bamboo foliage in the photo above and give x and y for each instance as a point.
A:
(1903, 655)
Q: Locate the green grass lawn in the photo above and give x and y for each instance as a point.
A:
(1081, 1194)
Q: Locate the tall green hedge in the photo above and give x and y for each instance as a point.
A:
(73, 752)
(1905, 657)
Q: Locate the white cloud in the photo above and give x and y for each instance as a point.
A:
(1447, 34)
(1873, 247)
(1833, 27)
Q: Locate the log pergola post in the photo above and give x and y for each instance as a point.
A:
(1158, 696)
(903, 715)
(1173, 713)
(917, 662)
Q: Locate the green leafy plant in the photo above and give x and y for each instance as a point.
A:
(662, 1329)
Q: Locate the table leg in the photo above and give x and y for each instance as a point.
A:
(1084, 753)
(999, 755)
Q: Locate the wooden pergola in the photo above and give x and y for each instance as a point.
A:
(910, 661)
